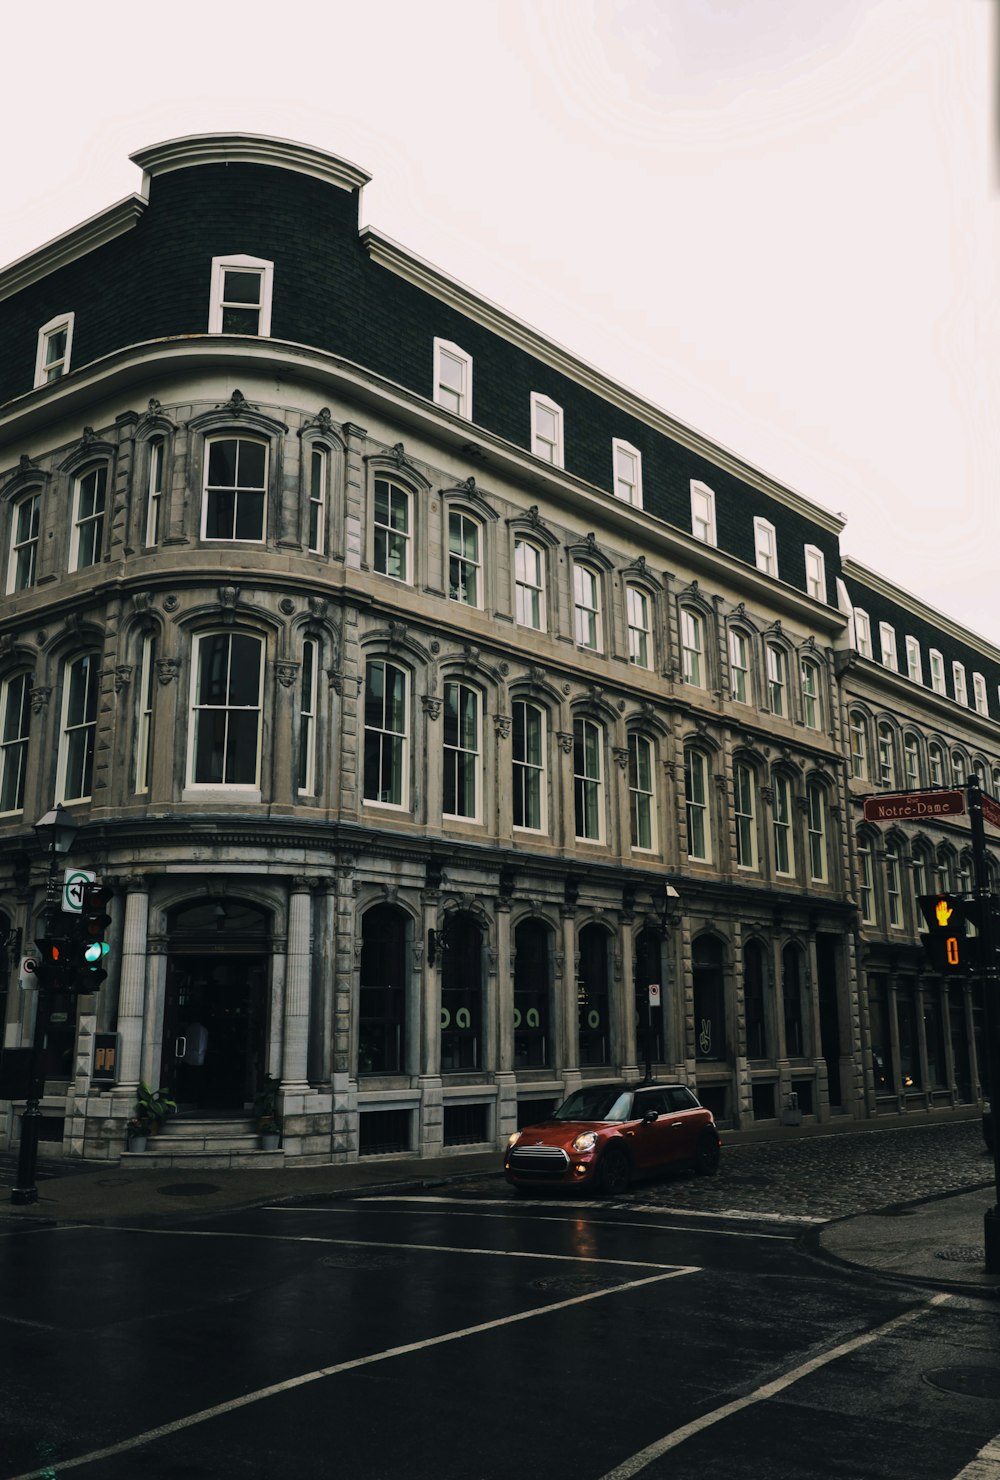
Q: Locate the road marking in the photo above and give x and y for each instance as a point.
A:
(986, 1465)
(290, 1384)
(785, 1238)
(736, 1214)
(670, 1441)
(359, 1243)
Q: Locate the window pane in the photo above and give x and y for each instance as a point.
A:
(242, 287)
(222, 463)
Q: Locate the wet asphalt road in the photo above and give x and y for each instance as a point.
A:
(466, 1336)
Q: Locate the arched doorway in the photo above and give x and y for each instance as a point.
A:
(592, 996)
(462, 995)
(215, 1012)
(648, 971)
(532, 954)
(382, 1004)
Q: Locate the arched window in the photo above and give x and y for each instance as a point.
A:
(462, 751)
(235, 498)
(319, 497)
(226, 700)
(744, 804)
(794, 1008)
(816, 828)
(640, 782)
(15, 724)
(22, 569)
(528, 760)
(811, 710)
(946, 871)
(886, 755)
(592, 996)
(308, 688)
(588, 779)
(859, 745)
(921, 872)
(893, 885)
(640, 636)
(386, 763)
(935, 763)
(532, 979)
(155, 454)
(87, 534)
(693, 647)
(699, 832)
(392, 530)
(911, 760)
(144, 716)
(382, 996)
(81, 686)
(739, 665)
(781, 811)
(959, 768)
(529, 585)
(462, 996)
(465, 558)
(587, 606)
(777, 679)
(866, 880)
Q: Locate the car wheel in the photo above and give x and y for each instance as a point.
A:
(614, 1172)
(706, 1156)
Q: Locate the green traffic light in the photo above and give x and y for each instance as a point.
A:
(96, 951)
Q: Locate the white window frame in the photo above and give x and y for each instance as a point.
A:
(739, 664)
(241, 789)
(914, 661)
(886, 742)
(397, 539)
(887, 646)
(548, 449)
(46, 334)
(31, 504)
(638, 609)
(811, 707)
(156, 451)
(588, 787)
(936, 663)
(217, 304)
(642, 794)
(692, 647)
(318, 498)
(398, 739)
(781, 817)
(979, 698)
(460, 755)
(629, 490)
(444, 350)
(529, 596)
(866, 882)
(765, 546)
(587, 618)
(745, 813)
(696, 805)
(776, 660)
(144, 716)
(958, 683)
(936, 762)
(815, 572)
(862, 632)
(911, 760)
(529, 776)
(308, 689)
(893, 887)
(703, 513)
(93, 521)
(857, 725)
(464, 564)
(67, 732)
(816, 831)
(15, 737)
(249, 490)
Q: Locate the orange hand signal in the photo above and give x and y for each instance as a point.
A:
(943, 912)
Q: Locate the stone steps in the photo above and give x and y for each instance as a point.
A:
(208, 1143)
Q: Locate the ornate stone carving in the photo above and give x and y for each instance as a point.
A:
(123, 676)
(286, 606)
(286, 671)
(398, 454)
(501, 723)
(40, 696)
(621, 756)
(167, 670)
(142, 602)
(171, 603)
(323, 421)
(431, 705)
(317, 606)
(397, 634)
(565, 738)
(236, 405)
(228, 597)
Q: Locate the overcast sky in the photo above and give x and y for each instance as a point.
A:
(777, 219)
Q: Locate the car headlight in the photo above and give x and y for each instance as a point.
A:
(585, 1141)
(513, 1140)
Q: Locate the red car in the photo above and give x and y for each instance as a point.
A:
(606, 1134)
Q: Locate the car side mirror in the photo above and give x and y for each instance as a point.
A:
(650, 1116)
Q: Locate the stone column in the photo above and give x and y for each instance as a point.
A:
(505, 988)
(570, 1005)
(897, 1066)
(294, 1061)
(132, 983)
(627, 1004)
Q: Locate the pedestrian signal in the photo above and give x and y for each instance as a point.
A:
(948, 947)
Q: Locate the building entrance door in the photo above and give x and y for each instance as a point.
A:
(214, 1030)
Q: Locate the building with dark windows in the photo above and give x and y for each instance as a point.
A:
(425, 696)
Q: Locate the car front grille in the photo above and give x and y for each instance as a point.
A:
(548, 1161)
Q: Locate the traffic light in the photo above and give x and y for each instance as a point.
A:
(91, 947)
(948, 948)
(54, 961)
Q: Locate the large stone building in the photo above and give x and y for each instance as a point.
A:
(424, 696)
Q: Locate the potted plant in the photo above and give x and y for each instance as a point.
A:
(269, 1130)
(265, 1109)
(153, 1106)
(137, 1131)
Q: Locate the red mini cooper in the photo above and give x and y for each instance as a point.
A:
(606, 1134)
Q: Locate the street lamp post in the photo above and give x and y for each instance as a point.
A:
(55, 831)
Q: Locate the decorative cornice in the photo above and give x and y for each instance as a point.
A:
(284, 154)
(77, 242)
(853, 570)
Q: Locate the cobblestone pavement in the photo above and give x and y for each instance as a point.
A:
(819, 1176)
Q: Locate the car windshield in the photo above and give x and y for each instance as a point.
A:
(597, 1102)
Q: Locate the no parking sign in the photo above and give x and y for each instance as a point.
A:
(654, 994)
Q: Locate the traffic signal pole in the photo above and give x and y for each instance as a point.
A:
(989, 976)
(25, 1191)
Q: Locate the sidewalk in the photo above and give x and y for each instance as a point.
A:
(937, 1241)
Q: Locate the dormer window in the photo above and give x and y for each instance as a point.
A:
(240, 301)
(55, 342)
(546, 429)
(453, 378)
(627, 463)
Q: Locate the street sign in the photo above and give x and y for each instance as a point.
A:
(991, 810)
(654, 994)
(914, 805)
(73, 885)
(27, 974)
